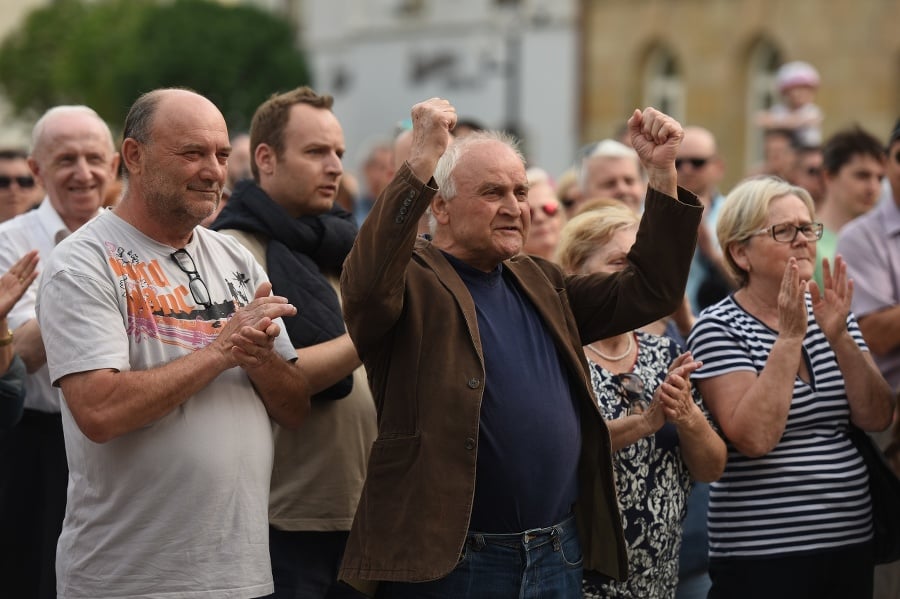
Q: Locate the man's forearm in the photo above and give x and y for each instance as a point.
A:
(107, 404)
(283, 389)
(664, 180)
(327, 363)
(881, 330)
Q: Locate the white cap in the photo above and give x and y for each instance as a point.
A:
(793, 74)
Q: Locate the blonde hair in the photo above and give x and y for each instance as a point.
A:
(745, 212)
(587, 232)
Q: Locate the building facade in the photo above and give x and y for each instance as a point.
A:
(711, 62)
(563, 73)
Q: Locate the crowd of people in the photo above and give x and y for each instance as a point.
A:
(230, 369)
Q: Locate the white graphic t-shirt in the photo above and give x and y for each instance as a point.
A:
(179, 507)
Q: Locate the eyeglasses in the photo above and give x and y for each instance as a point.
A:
(548, 208)
(697, 163)
(198, 288)
(633, 385)
(787, 232)
(25, 182)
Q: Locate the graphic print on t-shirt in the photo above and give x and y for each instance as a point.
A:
(164, 308)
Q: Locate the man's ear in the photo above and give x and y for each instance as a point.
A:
(439, 209)
(131, 155)
(265, 159)
(35, 169)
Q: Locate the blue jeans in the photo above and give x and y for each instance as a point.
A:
(543, 563)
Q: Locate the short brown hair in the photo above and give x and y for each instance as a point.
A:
(270, 119)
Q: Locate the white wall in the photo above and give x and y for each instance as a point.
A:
(367, 54)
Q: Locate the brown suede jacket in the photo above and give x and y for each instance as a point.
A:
(415, 327)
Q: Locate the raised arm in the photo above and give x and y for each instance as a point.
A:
(655, 137)
(372, 281)
(702, 449)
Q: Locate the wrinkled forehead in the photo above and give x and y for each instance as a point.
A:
(74, 132)
(188, 115)
(14, 165)
(490, 161)
(697, 145)
(601, 167)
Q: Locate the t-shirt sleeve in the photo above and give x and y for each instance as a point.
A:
(82, 325)
(855, 333)
(719, 347)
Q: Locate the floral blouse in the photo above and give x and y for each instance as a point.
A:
(652, 482)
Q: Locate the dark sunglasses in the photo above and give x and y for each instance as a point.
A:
(633, 385)
(694, 162)
(549, 208)
(23, 182)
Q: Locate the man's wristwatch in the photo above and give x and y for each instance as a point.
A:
(4, 341)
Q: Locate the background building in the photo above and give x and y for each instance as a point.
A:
(508, 64)
(563, 73)
(711, 62)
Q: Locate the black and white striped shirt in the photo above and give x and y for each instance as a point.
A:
(811, 491)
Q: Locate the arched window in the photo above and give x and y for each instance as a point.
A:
(763, 61)
(663, 83)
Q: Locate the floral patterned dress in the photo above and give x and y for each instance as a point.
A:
(652, 483)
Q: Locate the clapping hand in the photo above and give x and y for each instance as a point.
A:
(16, 280)
(248, 338)
(674, 393)
(792, 315)
(832, 307)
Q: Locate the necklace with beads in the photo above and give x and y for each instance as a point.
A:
(621, 356)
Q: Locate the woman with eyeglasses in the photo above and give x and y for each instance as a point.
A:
(785, 373)
(658, 427)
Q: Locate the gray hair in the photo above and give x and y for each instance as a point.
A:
(537, 175)
(37, 133)
(443, 172)
(139, 119)
(607, 148)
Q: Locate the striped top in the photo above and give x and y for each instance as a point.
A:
(809, 493)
